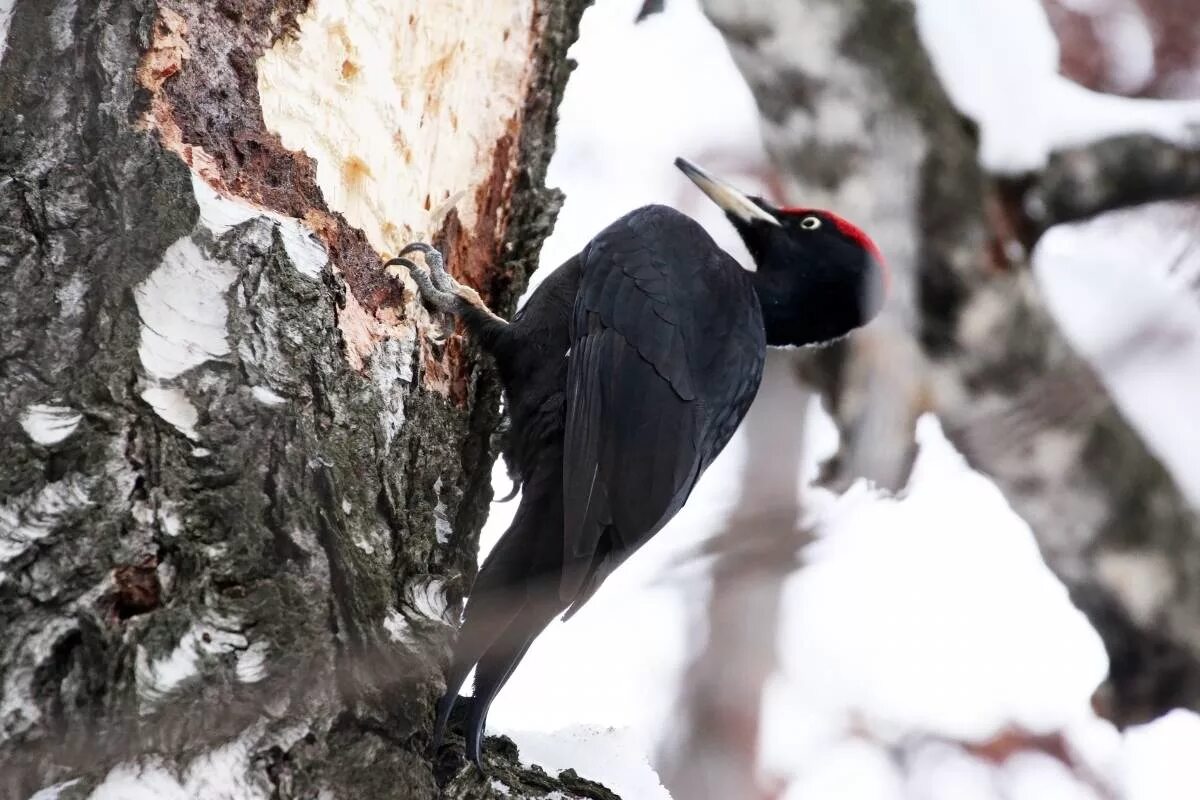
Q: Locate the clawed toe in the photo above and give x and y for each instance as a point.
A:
(436, 286)
(430, 292)
(436, 262)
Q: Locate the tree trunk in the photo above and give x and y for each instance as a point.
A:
(856, 119)
(244, 471)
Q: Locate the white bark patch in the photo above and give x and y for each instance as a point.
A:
(226, 773)
(267, 396)
(62, 36)
(167, 514)
(214, 635)
(442, 528)
(6, 10)
(53, 792)
(219, 213)
(27, 518)
(143, 781)
(427, 598)
(70, 296)
(252, 663)
(174, 407)
(24, 653)
(1144, 582)
(392, 363)
(183, 310)
(184, 313)
(49, 424)
(397, 627)
(398, 109)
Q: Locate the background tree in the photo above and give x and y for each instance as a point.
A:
(854, 117)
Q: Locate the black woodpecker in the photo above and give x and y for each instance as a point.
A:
(625, 374)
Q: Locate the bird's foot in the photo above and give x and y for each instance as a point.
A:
(435, 284)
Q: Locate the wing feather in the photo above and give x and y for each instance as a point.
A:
(667, 348)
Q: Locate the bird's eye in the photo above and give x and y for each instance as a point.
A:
(810, 223)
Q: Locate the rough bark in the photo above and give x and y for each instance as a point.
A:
(854, 116)
(243, 471)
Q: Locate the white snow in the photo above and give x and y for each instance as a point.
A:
(591, 750)
(1125, 32)
(1120, 286)
(960, 668)
(49, 424)
(998, 60)
(851, 770)
(1159, 761)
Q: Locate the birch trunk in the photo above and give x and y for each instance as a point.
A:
(244, 471)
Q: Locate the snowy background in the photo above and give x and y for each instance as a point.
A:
(920, 626)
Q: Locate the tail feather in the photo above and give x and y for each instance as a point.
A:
(489, 612)
(514, 597)
(494, 670)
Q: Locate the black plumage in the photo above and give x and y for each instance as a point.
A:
(625, 374)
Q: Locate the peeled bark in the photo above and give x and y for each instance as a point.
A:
(244, 471)
(856, 119)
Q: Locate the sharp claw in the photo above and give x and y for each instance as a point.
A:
(404, 262)
(418, 247)
(516, 487)
(436, 262)
(427, 285)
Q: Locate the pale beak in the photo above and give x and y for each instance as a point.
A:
(728, 198)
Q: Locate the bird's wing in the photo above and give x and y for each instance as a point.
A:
(666, 353)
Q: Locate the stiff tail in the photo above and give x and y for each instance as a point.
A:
(493, 666)
(515, 596)
(497, 665)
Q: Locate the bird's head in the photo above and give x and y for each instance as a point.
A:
(818, 276)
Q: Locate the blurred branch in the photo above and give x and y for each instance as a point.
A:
(967, 336)
(1103, 176)
(714, 753)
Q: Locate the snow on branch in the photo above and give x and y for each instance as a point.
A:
(1113, 173)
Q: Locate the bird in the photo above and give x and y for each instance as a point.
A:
(624, 375)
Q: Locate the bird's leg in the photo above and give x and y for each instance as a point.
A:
(441, 291)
